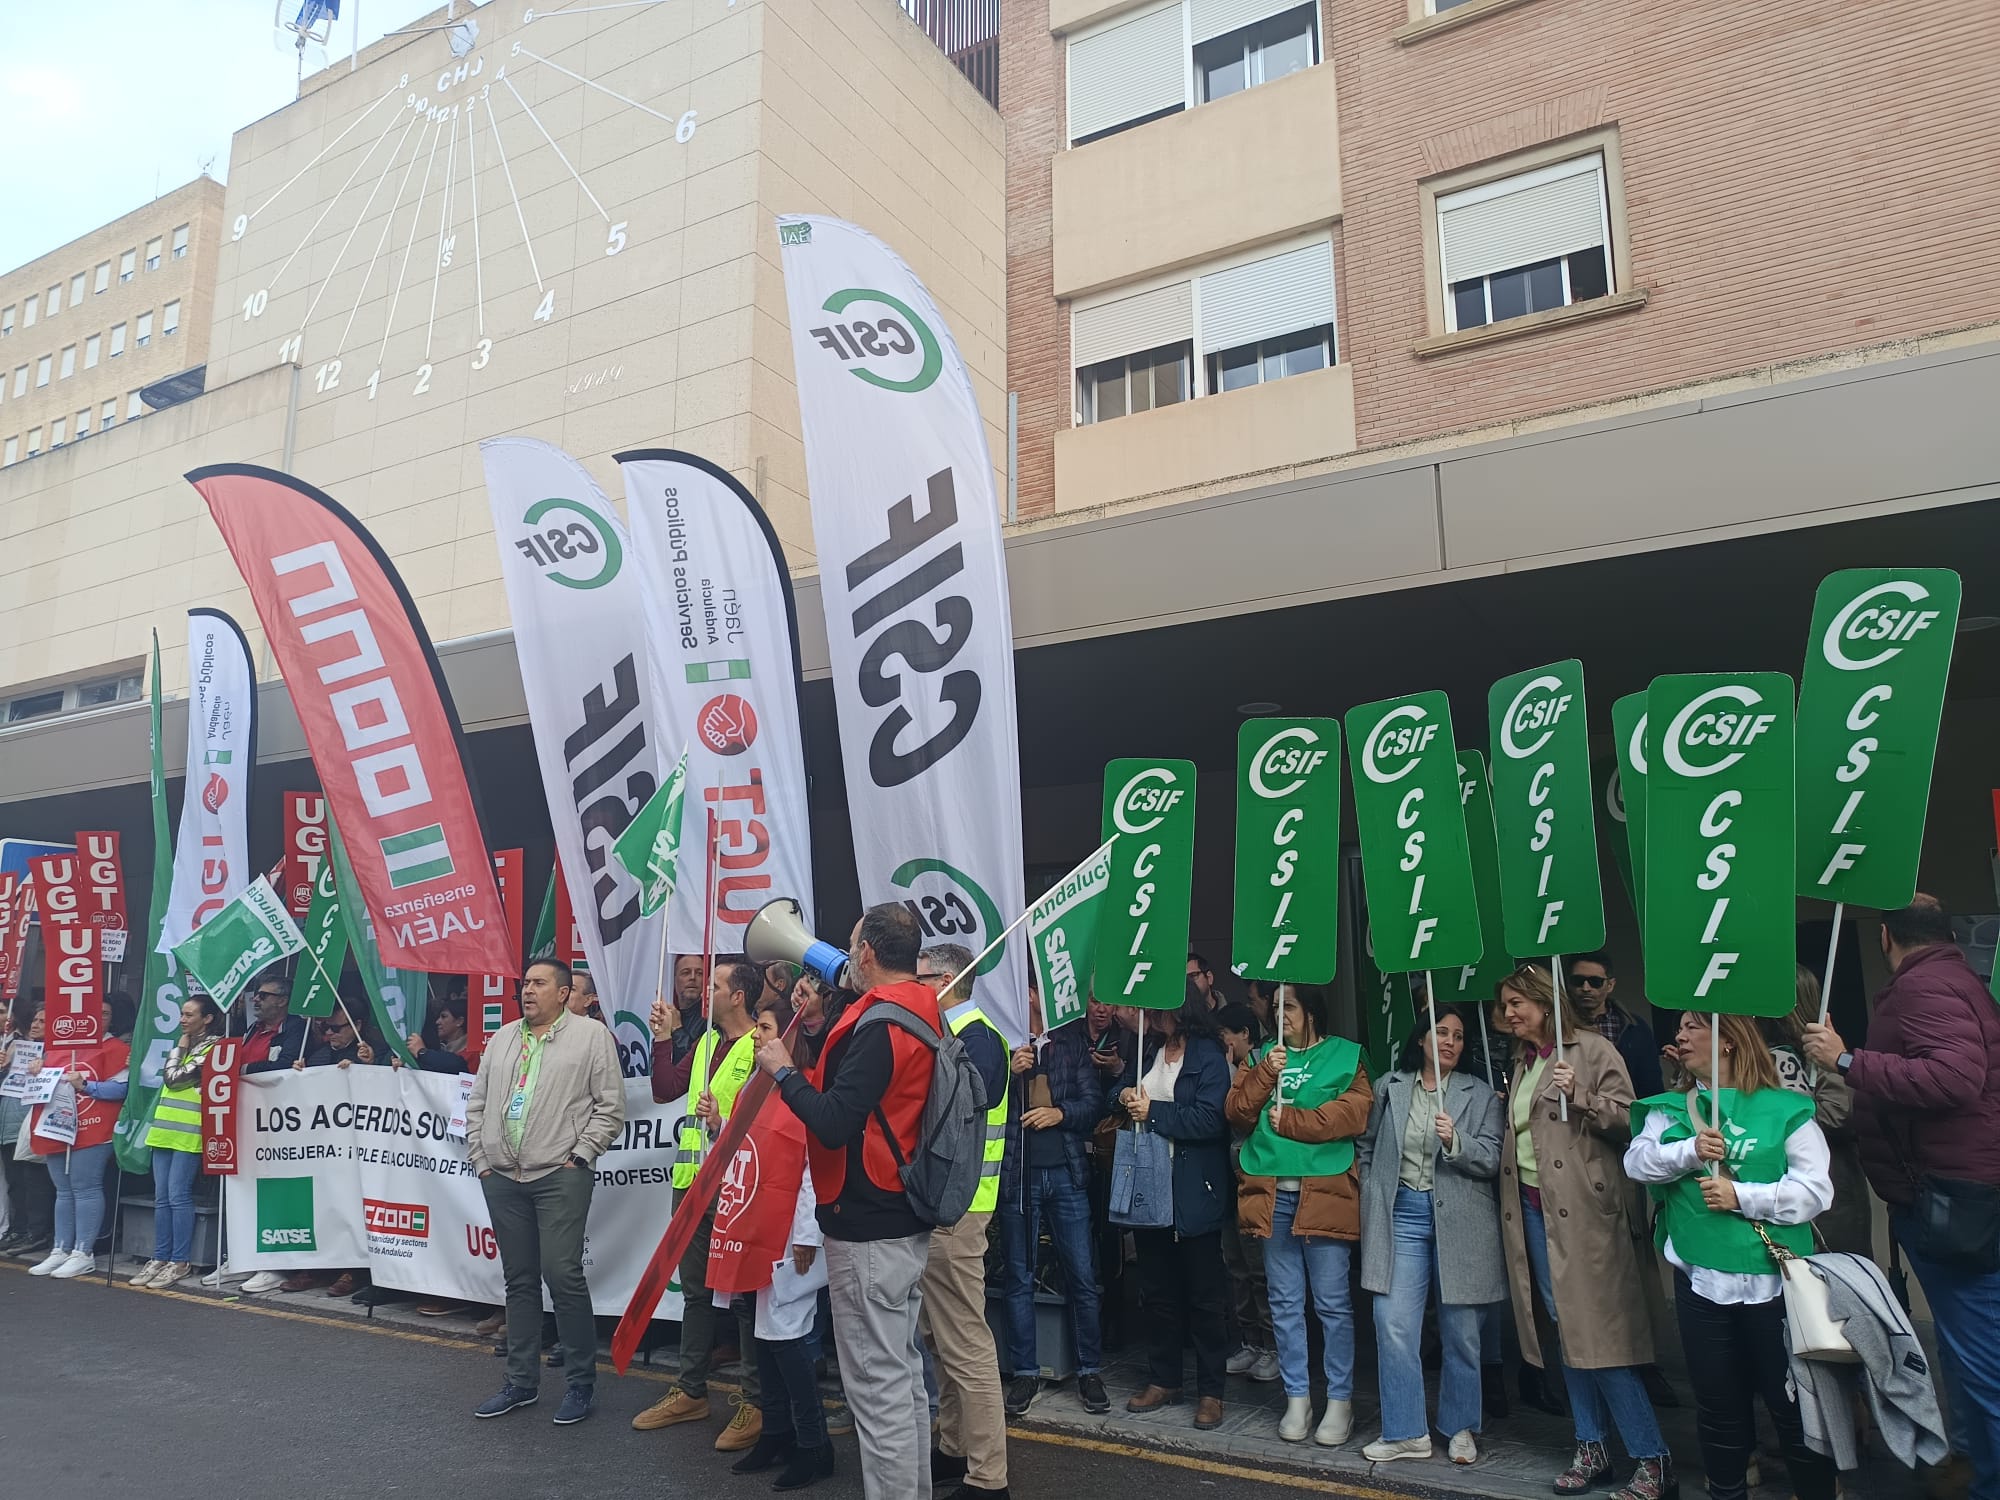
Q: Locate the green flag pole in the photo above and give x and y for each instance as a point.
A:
(1556, 1020)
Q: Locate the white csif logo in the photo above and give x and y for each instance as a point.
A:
(1696, 724)
(1635, 748)
(1279, 756)
(1863, 620)
(1392, 736)
(1540, 715)
(1139, 795)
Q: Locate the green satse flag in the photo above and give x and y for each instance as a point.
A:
(326, 945)
(1062, 937)
(1388, 1012)
(650, 846)
(1287, 914)
(1720, 836)
(1550, 892)
(543, 944)
(1472, 984)
(1142, 931)
(157, 1024)
(251, 932)
(1869, 707)
(399, 997)
(1422, 910)
(1628, 732)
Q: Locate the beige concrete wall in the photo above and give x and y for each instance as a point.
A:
(1255, 166)
(864, 119)
(1246, 436)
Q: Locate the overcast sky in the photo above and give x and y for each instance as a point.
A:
(104, 103)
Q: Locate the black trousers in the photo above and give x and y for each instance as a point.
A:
(1181, 1287)
(1734, 1352)
(31, 1197)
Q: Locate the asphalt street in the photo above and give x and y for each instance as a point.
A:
(183, 1397)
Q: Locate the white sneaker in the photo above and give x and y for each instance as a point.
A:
(264, 1281)
(76, 1263)
(1463, 1450)
(1265, 1369)
(175, 1272)
(1337, 1426)
(1387, 1450)
(46, 1267)
(1241, 1361)
(1298, 1419)
(145, 1274)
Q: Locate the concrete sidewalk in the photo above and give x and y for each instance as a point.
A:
(1519, 1455)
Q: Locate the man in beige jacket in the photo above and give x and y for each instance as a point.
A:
(548, 1101)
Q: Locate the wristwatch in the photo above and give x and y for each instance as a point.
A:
(577, 1161)
(1843, 1063)
(782, 1074)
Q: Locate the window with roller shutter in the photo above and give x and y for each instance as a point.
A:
(1143, 65)
(1525, 244)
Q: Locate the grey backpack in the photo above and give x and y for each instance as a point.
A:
(941, 1179)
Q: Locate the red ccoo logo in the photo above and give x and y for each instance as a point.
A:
(411, 1220)
(215, 793)
(727, 724)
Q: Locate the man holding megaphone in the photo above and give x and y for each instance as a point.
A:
(862, 1104)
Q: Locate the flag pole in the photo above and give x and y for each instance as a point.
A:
(708, 924)
(1556, 1019)
(1485, 1046)
(1826, 981)
(1437, 1068)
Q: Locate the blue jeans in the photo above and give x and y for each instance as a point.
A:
(1068, 1207)
(1399, 1329)
(789, 1392)
(1598, 1399)
(79, 1182)
(1965, 1309)
(1290, 1263)
(173, 1203)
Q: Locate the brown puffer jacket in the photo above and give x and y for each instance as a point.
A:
(1329, 1207)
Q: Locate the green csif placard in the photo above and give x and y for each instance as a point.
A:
(1287, 915)
(1414, 861)
(1388, 1013)
(1472, 984)
(1720, 835)
(1869, 707)
(1628, 731)
(1550, 895)
(1142, 929)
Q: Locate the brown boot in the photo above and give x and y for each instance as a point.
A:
(1152, 1398)
(1208, 1413)
(1654, 1479)
(746, 1425)
(1591, 1465)
(675, 1407)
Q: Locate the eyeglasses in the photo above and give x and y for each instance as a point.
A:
(933, 977)
(274, 994)
(1589, 981)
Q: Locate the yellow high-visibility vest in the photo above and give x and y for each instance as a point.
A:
(177, 1117)
(987, 1198)
(692, 1143)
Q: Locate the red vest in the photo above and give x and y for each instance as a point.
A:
(903, 1103)
(95, 1118)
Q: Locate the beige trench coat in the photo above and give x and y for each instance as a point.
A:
(1586, 1204)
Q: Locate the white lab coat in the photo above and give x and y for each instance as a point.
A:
(786, 1308)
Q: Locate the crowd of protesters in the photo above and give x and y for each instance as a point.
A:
(1513, 1182)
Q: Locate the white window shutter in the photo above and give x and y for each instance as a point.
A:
(1128, 325)
(1269, 298)
(1214, 18)
(1127, 71)
(1521, 220)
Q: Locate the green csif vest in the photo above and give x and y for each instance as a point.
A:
(1312, 1077)
(1755, 1128)
(987, 1197)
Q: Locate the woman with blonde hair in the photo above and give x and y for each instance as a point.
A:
(1725, 1195)
(1566, 1222)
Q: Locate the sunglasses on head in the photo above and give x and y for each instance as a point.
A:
(1590, 981)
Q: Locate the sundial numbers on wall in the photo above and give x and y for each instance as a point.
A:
(441, 151)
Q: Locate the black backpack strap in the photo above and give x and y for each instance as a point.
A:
(889, 1013)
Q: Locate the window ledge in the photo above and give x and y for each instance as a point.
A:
(1449, 20)
(1555, 317)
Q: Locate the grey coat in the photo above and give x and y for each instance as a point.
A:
(1892, 1374)
(1471, 1266)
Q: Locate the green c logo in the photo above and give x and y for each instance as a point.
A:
(938, 916)
(904, 334)
(565, 541)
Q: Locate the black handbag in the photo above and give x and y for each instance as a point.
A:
(1949, 1220)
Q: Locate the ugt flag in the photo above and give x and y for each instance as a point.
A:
(650, 847)
(239, 942)
(757, 1203)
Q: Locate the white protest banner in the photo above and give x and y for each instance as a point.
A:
(40, 1088)
(356, 1167)
(58, 1121)
(212, 854)
(906, 522)
(22, 1056)
(579, 632)
(457, 1127)
(720, 620)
